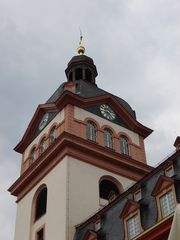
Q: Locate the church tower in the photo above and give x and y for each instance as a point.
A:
(82, 148)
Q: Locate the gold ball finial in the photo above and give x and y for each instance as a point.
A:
(81, 48)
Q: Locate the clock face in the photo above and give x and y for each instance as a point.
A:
(107, 112)
(43, 121)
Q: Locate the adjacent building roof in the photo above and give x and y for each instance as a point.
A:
(112, 225)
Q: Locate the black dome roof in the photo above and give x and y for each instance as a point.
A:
(81, 58)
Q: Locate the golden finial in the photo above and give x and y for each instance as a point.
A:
(81, 48)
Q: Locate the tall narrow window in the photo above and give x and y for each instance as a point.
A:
(78, 74)
(133, 227)
(108, 138)
(41, 202)
(91, 131)
(42, 146)
(124, 145)
(167, 204)
(52, 135)
(40, 234)
(32, 156)
(88, 75)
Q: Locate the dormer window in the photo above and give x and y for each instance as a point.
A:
(42, 146)
(165, 195)
(91, 131)
(124, 146)
(132, 219)
(133, 226)
(108, 138)
(167, 204)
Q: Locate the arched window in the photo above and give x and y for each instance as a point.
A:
(109, 188)
(124, 145)
(42, 146)
(78, 74)
(52, 135)
(40, 203)
(108, 138)
(91, 131)
(32, 156)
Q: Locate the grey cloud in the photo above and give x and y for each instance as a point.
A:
(135, 45)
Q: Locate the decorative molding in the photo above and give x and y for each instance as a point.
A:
(70, 145)
(71, 98)
(162, 183)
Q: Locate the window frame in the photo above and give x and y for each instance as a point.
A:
(38, 230)
(127, 218)
(134, 216)
(39, 191)
(108, 141)
(159, 196)
(124, 149)
(89, 134)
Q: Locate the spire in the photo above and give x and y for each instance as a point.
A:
(81, 48)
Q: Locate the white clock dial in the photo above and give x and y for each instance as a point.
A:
(43, 121)
(107, 112)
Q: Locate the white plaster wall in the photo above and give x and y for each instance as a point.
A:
(84, 190)
(55, 218)
(58, 119)
(82, 114)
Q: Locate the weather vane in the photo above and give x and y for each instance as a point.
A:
(81, 48)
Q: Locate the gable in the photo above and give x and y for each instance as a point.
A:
(162, 183)
(51, 116)
(130, 207)
(73, 99)
(96, 110)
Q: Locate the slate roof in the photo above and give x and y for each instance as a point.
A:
(81, 58)
(86, 89)
(111, 222)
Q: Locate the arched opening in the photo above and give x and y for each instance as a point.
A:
(42, 146)
(52, 135)
(40, 203)
(109, 189)
(108, 138)
(70, 76)
(88, 75)
(91, 131)
(78, 74)
(124, 145)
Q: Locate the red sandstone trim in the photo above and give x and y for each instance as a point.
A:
(92, 153)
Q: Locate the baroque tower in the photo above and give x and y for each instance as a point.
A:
(82, 148)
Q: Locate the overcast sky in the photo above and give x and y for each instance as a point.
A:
(135, 45)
